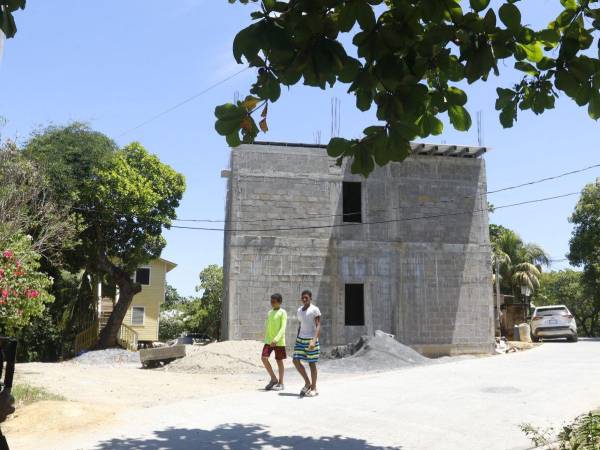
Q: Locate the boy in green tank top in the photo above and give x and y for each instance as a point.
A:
(275, 342)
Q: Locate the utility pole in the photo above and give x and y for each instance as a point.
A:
(1, 45)
(498, 296)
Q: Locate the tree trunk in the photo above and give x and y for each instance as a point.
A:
(127, 289)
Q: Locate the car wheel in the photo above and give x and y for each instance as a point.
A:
(535, 338)
(573, 338)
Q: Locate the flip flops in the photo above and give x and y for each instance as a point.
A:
(305, 390)
(311, 393)
(270, 386)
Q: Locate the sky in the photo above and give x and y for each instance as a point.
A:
(116, 64)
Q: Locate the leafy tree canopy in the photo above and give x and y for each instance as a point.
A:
(71, 156)
(121, 199)
(29, 207)
(520, 262)
(208, 315)
(566, 287)
(172, 298)
(407, 58)
(585, 243)
(195, 315)
(133, 199)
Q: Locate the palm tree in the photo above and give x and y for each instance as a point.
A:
(520, 263)
(527, 275)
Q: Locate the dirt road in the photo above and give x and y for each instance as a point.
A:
(464, 404)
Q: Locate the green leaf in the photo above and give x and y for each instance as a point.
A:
(569, 4)
(456, 96)
(246, 43)
(428, 124)
(533, 52)
(7, 24)
(505, 98)
(364, 98)
(226, 127)
(489, 21)
(233, 139)
(338, 147)
(565, 17)
(228, 111)
(594, 106)
(566, 82)
(546, 63)
(548, 36)
(510, 16)
(479, 5)
(347, 17)
(365, 15)
(527, 68)
(459, 117)
(507, 117)
(349, 70)
(363, 161)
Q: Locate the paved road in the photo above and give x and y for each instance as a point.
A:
(465, 404)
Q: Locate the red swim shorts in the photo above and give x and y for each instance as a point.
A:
(279, 352)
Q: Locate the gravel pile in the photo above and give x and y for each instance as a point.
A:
(111, 357)
(373, 353)
(228, 357)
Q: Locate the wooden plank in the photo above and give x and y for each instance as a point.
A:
(162, 353)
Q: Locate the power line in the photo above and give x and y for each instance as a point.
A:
(183, 102)
(326, 216)
(541, 180)
(318, 216)
(378, 222)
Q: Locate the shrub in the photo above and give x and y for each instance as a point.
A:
(23, 289)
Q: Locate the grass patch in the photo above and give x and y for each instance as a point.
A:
(25, 394)
(582, 434)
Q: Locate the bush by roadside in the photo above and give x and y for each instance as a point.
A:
(582, 434)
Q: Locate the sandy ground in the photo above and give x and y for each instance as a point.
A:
(464, 404)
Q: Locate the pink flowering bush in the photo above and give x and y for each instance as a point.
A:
(23, 289)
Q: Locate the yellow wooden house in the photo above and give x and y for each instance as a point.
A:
(144, 312)
(140, 326)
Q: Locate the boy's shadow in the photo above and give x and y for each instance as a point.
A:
(283, 394)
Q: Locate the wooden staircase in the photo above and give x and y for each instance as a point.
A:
(106, 310)
(87, 339)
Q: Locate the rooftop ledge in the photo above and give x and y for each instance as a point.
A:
(418, 148)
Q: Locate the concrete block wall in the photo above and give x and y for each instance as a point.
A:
(423, 256)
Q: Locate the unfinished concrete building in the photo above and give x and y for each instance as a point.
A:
(405, 251)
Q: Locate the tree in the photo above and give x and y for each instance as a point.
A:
(206, 318)
(28, 207)
(172, 298)
(7, 21)
(200, 315)
(584, 245)
(566, 287)
(520, 263)
(410, 58)
(122, 199)
(70, 157)
(171, 324)
(134, 199)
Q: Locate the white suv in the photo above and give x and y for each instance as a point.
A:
(553, 322)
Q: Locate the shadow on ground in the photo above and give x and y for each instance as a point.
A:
(235, 437)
